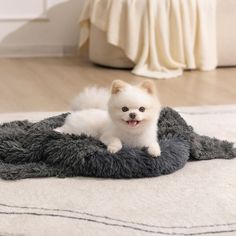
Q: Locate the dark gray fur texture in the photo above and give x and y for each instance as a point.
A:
(29, 150)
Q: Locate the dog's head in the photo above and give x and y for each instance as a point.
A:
(133, 107)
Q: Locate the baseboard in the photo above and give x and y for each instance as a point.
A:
(9, 51)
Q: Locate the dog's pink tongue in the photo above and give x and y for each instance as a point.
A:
(133, 123)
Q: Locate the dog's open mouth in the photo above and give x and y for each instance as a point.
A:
(133, 123)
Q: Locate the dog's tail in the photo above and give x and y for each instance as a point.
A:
(91, 97)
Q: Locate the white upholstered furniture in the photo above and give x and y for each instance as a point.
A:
(105, 54)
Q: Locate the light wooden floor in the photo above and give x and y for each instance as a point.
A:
(48, 84)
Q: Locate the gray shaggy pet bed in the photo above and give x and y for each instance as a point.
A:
(29, 150)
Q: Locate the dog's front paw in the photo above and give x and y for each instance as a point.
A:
(154, 150)
(113, 148)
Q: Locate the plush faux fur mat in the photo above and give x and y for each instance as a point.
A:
(30, 150)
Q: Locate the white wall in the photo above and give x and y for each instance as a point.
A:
(39, 27)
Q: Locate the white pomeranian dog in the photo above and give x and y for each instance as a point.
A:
(127, 114)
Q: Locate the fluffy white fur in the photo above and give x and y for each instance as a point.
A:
(127, 114)
(91, 97)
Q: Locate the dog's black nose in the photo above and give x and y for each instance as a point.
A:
(132, 115)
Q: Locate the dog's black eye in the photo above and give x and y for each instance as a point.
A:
(142, 109)
(124, 109)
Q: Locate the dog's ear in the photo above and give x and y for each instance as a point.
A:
(117, 86)
(148, 86)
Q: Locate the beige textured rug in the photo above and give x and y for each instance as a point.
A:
(200, 199)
